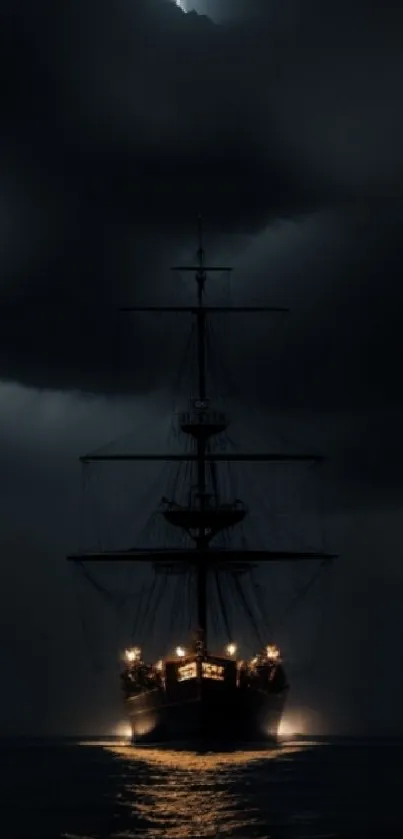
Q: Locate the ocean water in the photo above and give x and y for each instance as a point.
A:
(302, 789)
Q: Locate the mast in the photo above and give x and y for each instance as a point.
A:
(201, 519)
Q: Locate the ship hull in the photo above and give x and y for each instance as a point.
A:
(205, 714)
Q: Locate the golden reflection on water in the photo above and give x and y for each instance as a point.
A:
(208, 762)
(179, 795)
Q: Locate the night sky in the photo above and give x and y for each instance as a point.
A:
(280, 122)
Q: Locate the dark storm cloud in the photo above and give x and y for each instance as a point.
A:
(120, 124)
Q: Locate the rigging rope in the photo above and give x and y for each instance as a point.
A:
(176, 599)
(213, 612)
(302, 594)
(148, 604)
(98, 586)
(138, 612)
(247, 608)
(257, 589)
(222, 606)
(161, 582)
(189, 600)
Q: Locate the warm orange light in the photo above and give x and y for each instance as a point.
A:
(180, 652)
(231, 649)
(291, 725)
(212, 671)
(133, 654)
(187, 671)
(123, 730)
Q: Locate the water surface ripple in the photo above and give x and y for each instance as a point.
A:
(303, 790)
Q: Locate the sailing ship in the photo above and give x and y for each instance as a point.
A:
(198, 695)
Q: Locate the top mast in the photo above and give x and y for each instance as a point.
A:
(201, 323)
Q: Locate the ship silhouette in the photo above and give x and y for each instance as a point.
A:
(198, 696)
